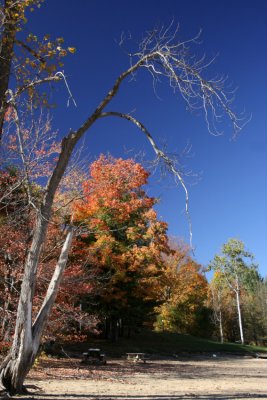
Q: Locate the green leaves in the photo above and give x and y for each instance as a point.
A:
(235, 261)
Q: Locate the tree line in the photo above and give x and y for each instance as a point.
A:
(123, 271)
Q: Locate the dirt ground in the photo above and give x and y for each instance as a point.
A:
(205, 378)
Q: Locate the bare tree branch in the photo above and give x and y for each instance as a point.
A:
(168, 162)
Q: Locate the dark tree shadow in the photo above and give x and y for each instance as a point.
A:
(215, 396)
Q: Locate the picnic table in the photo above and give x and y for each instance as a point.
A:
(94, 356)
(136, 357)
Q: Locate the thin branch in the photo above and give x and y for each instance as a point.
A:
(31, 51)
(161, 156)
(60, 73)
(37, 82)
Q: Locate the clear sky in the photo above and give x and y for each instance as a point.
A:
(228, 197)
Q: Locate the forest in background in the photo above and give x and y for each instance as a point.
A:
(123, 272)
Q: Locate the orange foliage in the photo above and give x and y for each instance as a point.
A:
(114, 185)
(123, 239)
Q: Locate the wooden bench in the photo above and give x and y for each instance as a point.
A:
(137, 357)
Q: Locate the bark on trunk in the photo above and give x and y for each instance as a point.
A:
(52, 290)
(6, 54)
(15, 368)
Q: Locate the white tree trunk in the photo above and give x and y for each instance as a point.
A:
(52, 290)
(26, 344)
(237, 292)
(221, 326)
(239, 316)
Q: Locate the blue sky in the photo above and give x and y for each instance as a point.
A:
(228, 198)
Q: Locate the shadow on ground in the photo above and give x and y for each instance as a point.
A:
(73, 396)
(122, 370)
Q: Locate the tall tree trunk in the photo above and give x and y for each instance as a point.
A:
(239, 317)
(6, 53)
(239, 314)
(24, 348)
(221, 326)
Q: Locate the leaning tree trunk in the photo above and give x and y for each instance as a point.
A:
(27, 339)
(27, 336)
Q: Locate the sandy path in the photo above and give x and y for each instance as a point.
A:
(219, 378)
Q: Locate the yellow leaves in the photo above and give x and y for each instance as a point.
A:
(72, 50)
(31, 38)
(51, 53)
(60, 40)
(38, 57)
(184, 291)
(62, 53)
(16, 12)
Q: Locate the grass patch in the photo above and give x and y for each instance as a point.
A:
(166, 344)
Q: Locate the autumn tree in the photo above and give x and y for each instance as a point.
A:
(124, 243)
(164, 56)
(253, 307)
(236, 268)
(216, 292)
(183, 294)
(32, 61)
(221, 300)
(260, 302)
